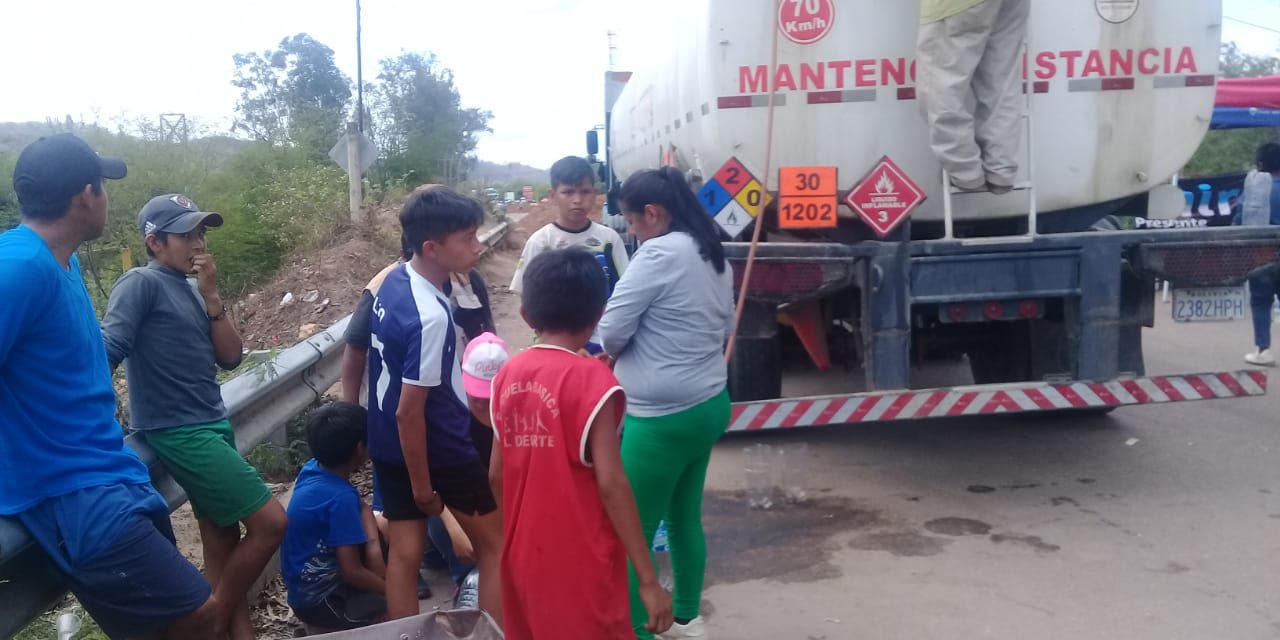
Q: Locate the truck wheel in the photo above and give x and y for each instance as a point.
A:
(755, 371)
(1004, 357)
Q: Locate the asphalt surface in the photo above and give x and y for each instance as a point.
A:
(1152, 522)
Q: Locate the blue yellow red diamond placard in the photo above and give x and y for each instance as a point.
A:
(733, 197)
(713, 197)
(733, 176)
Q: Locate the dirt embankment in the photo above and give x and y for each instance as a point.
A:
(316, 288)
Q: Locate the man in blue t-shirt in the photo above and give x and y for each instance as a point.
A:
(331, 558)
(419, 421)
(65, 472)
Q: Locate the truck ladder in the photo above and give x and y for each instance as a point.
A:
(1028, 186)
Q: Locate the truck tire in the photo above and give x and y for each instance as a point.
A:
(755, 371)
(1004, 357)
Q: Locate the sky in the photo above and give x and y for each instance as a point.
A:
(537, 65)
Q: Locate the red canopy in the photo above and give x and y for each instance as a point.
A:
(1262, 92)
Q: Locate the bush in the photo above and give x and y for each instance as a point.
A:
(8, 200)
(1229, 151)
(274, 201)
(282, 464)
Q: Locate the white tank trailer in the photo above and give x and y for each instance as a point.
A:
(1122, 93)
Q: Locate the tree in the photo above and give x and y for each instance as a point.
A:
(1232, 150)
(419, 124)
(294, 94)
(1236, 64)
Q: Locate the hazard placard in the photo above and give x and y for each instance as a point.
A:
(808, 197)
(714, 197)
(733, 197)
(814, 212)
(733, 219)
(753, 197)
(733, 176)
(885, 197)
(807, 181)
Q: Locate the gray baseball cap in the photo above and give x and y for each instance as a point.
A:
(174, 213)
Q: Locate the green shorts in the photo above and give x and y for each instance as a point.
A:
(222, 485)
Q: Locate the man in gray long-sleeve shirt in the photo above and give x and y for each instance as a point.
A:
(172, 333)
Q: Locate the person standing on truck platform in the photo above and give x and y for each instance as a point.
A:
(666, 325)
(968, 54)
(1261, 206)
(168, 324)
(573, 192)
(65, 472)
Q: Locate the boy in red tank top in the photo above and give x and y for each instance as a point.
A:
(569, 516)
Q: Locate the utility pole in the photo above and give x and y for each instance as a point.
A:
(359, 73)
(354, 181)
(613, 48)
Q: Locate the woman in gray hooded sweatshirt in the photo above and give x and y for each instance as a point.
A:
(666, 325)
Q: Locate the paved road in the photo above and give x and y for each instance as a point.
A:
(1021, 527)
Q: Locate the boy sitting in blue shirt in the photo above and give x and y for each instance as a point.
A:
(331, 560)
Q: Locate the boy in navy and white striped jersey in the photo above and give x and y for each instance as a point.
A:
(419, 420)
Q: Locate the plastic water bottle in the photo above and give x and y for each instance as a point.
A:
(758, 467)
(662, 556)
(1256, 200)
(68, 626)
(469, 593)
(793, 471)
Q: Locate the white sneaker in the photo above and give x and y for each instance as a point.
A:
(1261, 358)
(694, 629)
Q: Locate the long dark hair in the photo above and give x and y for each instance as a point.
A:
(667, 188)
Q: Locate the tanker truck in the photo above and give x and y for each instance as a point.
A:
(1038, 302)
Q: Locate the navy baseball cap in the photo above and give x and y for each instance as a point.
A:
(53, 169)
(174, 213)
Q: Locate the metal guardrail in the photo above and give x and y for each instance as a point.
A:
(261, 401)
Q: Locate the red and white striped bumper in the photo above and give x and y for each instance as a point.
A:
(992, 399)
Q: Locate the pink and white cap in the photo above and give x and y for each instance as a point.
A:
(481, 361)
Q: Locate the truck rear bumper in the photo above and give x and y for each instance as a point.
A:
(992, 399)
(1100, 281)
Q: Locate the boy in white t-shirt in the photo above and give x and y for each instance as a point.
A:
(573, 191)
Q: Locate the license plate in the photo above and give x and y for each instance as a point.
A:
(1208, 304)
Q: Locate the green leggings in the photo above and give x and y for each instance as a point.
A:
(666, 461)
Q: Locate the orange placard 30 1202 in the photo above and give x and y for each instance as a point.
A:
(807, 181)
(812, 212)
(808, 197)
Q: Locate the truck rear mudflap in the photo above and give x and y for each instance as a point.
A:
(992, 399)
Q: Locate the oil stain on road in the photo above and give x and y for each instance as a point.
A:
(788, 543)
